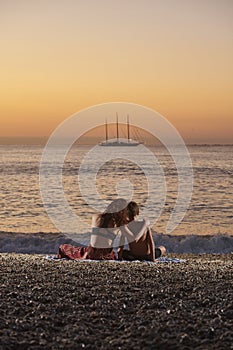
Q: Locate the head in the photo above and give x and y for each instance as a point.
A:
(133, 210)
(115, 215)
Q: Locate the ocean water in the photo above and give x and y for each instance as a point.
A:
(206, 226)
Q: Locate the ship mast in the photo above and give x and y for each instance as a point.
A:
(106, 130)
(128, 132)
(117, 128)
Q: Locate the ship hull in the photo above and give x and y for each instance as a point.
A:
(120, 144)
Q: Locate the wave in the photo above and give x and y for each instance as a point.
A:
(196, 244)
(36, 243)
(48, 243)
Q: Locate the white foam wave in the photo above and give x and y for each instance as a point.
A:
(196, 244)
(45, 243)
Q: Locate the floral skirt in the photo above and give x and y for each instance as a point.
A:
(72, 252)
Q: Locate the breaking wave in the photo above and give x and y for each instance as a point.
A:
(48, 243)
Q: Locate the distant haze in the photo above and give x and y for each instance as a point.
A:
(174, 56)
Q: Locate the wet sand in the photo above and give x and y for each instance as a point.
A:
(49, 304)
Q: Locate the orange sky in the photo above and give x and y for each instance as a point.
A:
(174, 56)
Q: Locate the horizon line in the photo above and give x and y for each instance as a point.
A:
(43, 139)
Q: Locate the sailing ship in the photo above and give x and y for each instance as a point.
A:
(119, 142)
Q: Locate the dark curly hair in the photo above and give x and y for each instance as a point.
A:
(115, 215)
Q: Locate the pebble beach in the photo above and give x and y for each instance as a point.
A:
(47, 304)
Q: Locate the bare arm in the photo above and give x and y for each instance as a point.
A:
(84, 256)
(120, 252)
(151, 244)
(121, 246)
(85, 252)
(125, 232)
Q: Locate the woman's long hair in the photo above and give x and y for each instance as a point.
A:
(115, 215)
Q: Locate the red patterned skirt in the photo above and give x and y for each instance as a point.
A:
(71, 252)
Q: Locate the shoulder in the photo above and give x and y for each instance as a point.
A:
(142, 224)
(138, 228)
(96, 218)
(146, 222)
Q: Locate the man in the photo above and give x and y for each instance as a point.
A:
(142, 248)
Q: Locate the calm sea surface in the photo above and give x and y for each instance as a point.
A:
(210, 211)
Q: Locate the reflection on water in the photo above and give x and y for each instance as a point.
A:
(210, 210)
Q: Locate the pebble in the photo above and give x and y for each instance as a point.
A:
(49, 304)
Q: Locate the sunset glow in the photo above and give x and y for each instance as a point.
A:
(175, 57)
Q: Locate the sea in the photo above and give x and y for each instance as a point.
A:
(206, 226)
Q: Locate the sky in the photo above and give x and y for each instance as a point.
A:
(174, 56)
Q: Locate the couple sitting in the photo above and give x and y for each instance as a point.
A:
(119, 220)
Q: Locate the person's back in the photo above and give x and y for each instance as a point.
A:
(141, 245)
(102, 237)
(105, 228)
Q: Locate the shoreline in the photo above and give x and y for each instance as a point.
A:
(48, 243)
(106, 305)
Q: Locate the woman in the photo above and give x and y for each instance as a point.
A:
(105, 228)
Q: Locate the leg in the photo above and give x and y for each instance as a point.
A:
(126, 255)
(159, 251)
